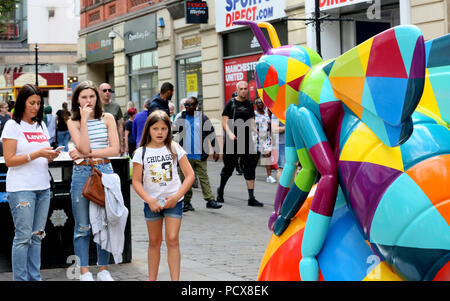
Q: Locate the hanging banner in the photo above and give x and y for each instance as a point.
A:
(229, 11)
(330, 4)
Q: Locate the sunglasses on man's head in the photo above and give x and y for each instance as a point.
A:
(109, 90)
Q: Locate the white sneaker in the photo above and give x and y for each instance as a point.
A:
(104, 276)
(86, 277)
(270, 179)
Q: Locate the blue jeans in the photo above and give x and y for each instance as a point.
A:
(63, 139)
(29, 210)
(80, 211)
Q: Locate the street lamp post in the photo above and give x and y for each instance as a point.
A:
(36, 48)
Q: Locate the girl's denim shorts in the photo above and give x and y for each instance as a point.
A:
(176, 212)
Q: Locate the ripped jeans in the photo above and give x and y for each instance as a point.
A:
(29, 210)
(80, 211)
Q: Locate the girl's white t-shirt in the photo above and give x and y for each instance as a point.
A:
(32, 175)
(160, 170)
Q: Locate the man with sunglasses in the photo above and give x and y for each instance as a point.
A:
(114, 109)
(196, 133)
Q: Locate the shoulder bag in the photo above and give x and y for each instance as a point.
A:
(94, 190)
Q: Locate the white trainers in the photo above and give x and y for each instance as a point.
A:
(270, 179)
(104, 276)
(86, 277)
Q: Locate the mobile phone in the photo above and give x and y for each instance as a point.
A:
(162, 202)
(59, 148)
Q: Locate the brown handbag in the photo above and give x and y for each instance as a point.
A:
(94, 190)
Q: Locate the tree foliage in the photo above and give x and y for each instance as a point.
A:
(6, 6)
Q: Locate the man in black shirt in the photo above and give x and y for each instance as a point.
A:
(238, 122)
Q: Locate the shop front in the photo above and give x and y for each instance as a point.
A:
(189, 77)
(12, 83)
(241, 53)
(99, 57)
(241, 49)
(364, 19)
(140, 48)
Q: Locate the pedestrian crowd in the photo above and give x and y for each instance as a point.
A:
(168, 151)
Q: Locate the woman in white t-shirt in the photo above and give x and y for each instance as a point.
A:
(156, 181)
(27, 153)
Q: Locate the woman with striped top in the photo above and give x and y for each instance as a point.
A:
(94, 134)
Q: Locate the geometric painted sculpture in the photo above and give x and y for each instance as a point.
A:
(371, 127)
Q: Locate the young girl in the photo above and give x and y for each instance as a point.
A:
(94, 134)
(156, 181)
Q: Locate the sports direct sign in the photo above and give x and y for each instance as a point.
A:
(228, 11)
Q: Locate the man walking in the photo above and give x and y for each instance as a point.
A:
(161, 99)
(114, 109)
(196, 133)
(139, 123)
(238, 122)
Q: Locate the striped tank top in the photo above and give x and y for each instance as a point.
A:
(98, 134)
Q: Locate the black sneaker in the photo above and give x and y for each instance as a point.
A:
(254, 203)
(219, 197)
(213, 204)
(188, 207)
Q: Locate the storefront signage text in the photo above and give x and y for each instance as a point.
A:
(188, 42)
(196, 12)
(98, 46)
(140, 34)
(229, 11)
(329, 4)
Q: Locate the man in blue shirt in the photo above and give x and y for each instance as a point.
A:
(195, 133)
(139, 123)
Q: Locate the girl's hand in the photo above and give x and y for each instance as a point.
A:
(154, 205)
(75, 154)
(85, 112)
(171, 201)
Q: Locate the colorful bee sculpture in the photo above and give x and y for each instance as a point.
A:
(374, 123)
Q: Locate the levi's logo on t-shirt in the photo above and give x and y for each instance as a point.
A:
(35, 137)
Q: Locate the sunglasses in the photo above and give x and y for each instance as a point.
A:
(109, 90)
(190, 104)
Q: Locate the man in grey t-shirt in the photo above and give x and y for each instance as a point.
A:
(114, 109)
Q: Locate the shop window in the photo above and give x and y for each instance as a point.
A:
(363, 28)
(143, 77)
(189, 79)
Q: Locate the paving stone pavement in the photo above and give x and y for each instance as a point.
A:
(224, 244)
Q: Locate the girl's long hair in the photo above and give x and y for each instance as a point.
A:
(98, 110)
(153, 118)
(26, 91)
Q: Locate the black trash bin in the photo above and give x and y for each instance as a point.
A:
(57, 246)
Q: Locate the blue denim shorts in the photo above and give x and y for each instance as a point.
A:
(176, 212)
